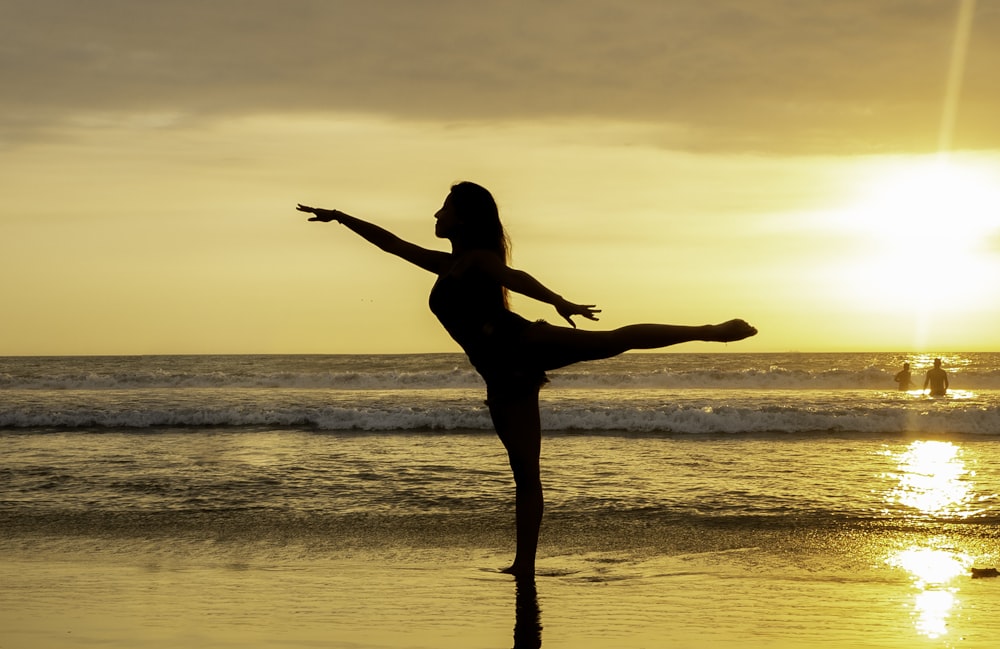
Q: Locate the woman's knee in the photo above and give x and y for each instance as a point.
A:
(526, 470)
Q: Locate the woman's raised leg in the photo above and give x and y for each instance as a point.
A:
(516, 420)
(560, 346)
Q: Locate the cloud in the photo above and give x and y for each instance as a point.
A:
(777, 76)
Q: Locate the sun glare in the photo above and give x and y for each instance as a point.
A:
(924, 227)
(932, 201)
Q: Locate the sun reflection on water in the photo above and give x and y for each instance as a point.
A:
(933, 481)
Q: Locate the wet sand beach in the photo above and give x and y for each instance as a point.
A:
(777, 589)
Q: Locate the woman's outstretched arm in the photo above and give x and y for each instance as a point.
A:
(521, 282)
(430, 260)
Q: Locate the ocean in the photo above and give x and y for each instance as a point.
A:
(809, 463)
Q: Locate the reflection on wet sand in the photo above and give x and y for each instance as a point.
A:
(934, 572)
(527, 615)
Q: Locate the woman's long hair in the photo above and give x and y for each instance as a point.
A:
(479, 221)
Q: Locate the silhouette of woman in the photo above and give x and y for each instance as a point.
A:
(511, 353)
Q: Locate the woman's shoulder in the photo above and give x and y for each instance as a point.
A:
(477, 259)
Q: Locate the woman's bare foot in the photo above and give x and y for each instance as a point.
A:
(730, 331)
(519, 570)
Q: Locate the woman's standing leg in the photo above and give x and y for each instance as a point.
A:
(516, 420)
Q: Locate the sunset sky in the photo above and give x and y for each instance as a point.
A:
(829, 171)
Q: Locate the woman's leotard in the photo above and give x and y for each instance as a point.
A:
(470, 306)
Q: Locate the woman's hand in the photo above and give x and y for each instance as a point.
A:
(567, 309)
(324, 216)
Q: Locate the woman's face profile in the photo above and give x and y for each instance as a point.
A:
(444, 228)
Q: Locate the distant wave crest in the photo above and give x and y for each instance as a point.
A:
(770, 378)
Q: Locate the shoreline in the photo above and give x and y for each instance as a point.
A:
(76, 592)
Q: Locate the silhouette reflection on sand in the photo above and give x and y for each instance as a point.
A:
(527, 615)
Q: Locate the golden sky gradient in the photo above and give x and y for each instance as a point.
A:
(829, 171)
